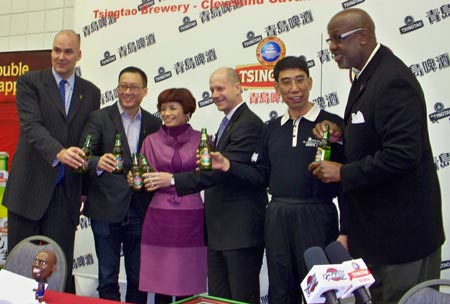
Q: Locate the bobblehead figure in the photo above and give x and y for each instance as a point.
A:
(44, 264)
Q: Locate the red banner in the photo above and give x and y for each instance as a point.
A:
(13, 65)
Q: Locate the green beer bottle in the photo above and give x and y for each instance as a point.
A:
(118, 155)
(324, 147)
(3, 169)
(4, 161)
(204, 151)
(136, 173)
(87, 149)
(145, 166)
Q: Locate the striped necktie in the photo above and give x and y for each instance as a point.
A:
(62, 91)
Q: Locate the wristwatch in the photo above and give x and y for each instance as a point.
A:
(172, 181)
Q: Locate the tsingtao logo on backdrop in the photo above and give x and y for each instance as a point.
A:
(410, 25)
(270, 50)
(206, 100)
(107, 58)
(146, 3)
(251, 39)
(440, 112)
(310, 63)
(272, 116)
(187, 24)
(162, 75)
(351, 3)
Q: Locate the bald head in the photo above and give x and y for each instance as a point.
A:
(49, 255)
(352, 37)
(65, 53)
(225, 86)
(70, 33)
(230, 74)
(354, 18)
(44, 264)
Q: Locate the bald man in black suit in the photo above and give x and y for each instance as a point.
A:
(393, 217)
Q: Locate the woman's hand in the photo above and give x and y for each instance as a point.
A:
(155, 180)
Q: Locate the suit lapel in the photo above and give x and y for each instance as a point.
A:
(356, 90)
(77, 98)
(144, 129)
(226, 133)
(360, 84)
(53, 91)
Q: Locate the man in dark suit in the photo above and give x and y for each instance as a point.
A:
(234, 214)
(389, 179)
(43, 195)
(116, 212)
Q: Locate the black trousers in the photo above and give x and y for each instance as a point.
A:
(291, 227)
(234, 274)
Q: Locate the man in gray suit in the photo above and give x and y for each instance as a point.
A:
(43, 194)
(116, 212)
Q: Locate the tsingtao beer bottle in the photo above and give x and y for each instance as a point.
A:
(144, 165)
(87, 149)
(118, 155)
(205, 152)
(324, 147)
(136, 173)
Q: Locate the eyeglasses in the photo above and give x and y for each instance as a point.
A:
(338, 39)
(132, 88)
(41, 263)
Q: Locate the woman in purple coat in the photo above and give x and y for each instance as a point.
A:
(173, 252)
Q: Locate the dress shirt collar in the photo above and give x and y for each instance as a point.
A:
(229, 115)
(357, 72)
(123, 113)
(58, 78)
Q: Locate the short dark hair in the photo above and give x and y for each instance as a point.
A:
(290, 62)
(181, 95)
(132, 69)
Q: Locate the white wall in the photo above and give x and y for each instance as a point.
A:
(32, 24)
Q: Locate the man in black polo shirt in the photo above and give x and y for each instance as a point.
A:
(301, 213)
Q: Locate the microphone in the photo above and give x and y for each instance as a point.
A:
(323, 280)
(315, 256)
(358, 272)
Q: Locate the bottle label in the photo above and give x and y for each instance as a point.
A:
(205, 158)
(119, 164)
(320, 154)
(137, 181)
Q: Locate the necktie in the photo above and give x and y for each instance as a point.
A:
(62, 91)
(222, 127)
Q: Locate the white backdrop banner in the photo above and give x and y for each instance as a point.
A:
(178, 43)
